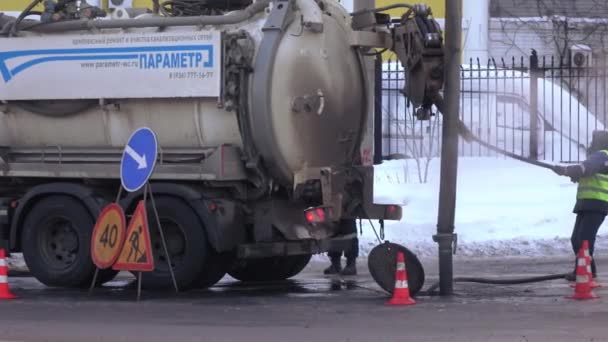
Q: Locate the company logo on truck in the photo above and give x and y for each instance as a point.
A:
(158, 57)
(175, 60)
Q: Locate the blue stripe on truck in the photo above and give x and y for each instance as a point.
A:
(184, 60)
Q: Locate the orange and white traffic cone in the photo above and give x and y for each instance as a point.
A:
(401, 294)
(582, 288)
(585, 247)
(588, 258)
(5, 292)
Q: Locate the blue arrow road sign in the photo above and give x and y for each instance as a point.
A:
(138, 159)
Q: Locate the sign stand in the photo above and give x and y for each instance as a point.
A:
(97, 267)
(162, 235)
(135, 173)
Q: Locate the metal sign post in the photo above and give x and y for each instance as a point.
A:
(107, 239)
(136, 168)
(445, 237)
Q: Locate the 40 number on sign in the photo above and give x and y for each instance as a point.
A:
(108, 236)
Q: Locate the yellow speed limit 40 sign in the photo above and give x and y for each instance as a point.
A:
(108, 236)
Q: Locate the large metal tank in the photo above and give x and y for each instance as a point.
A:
(316, 97)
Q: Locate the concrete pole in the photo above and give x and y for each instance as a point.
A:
(476, 14)
(449, 150)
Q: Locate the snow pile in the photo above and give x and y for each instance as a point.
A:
(504, 208)
(17, 263)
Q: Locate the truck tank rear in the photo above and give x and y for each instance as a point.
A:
(311, 114)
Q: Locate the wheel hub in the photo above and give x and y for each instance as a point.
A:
(176, 244)
(60, 243)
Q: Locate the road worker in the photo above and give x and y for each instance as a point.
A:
(350, 253)
(592, 195)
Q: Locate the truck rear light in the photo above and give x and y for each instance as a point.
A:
(315, 215)
(393, 212)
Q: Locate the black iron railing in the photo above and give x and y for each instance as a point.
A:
(544, 108)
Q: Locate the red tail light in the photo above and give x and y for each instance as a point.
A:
(315, 215)
(310, 216)
(321, 214)
(393, 212)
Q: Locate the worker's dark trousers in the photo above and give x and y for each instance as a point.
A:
(352, 251)
(586, 227)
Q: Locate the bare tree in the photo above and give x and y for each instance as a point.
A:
(420, 149)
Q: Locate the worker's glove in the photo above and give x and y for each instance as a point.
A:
(569, 172)
(560, 170)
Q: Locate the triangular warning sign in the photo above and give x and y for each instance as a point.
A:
(136, 254)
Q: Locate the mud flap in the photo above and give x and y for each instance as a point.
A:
(382, 263)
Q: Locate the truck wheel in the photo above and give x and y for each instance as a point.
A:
(186, 242)
(56, 243)
(215, 269)
(269, 269)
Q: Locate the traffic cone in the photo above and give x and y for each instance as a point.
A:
(401, 294)
(582, 288)
(588, 258)
(5, 292)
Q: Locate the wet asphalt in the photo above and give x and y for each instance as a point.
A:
(312, 307)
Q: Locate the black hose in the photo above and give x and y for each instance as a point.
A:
(382, 9)
(517, 281)
(468, 136)
(22, 16)
(509, 154)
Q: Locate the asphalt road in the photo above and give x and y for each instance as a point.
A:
(313, 308)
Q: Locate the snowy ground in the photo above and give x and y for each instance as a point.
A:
(504, 208)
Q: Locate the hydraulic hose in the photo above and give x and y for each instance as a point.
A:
(227, 19)
(382, 9)
(24, 13)
(467, 135)
(514, 281)
(510, 154)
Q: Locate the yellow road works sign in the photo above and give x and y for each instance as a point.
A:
(108, 236)
(136, 254)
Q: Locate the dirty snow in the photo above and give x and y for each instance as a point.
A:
(16, 262)
(504, 208)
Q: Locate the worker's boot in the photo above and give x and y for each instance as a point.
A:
(351, 268)
(335, 266)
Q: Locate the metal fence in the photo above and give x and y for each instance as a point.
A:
(540, 107)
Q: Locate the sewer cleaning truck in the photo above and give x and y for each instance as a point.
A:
(262, 112)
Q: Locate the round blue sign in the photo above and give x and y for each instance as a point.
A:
(138, 159)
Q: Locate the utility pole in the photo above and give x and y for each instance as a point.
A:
(534, 76)
(445, 237)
